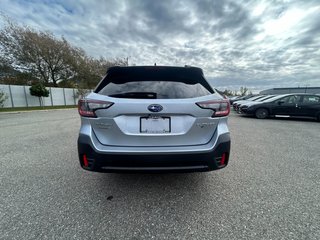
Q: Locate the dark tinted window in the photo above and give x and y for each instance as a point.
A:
(154, 82)
(290, 99)
(154, 89)
(311, 99)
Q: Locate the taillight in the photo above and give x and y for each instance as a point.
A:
(87, 107)
(220, 107)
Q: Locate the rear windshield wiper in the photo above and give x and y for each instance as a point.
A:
(141, 95)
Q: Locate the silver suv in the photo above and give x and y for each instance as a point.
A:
(153, 118)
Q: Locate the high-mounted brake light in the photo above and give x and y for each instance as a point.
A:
(87, 107)
(220, 107)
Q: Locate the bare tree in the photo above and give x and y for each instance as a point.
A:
(228, 92)
(89, 71)
(243, 91)
(9, 75)
(40, 53)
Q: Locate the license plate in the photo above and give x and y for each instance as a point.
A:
(155, 125)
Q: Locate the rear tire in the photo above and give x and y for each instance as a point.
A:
(262, 113)
(318, 117)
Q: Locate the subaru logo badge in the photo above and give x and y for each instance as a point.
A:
(155, 108)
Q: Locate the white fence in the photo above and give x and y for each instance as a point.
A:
(19, 96)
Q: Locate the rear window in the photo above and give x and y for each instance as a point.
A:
(155, 84)
(152, 89)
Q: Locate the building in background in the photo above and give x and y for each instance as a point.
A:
(314, 90)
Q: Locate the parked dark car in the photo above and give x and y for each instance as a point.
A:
(249, 103)
(238, 98)
(298, 105)
(236, 104)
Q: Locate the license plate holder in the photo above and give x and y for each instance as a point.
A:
(155, 125)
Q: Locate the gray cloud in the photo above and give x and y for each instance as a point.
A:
(237, 43)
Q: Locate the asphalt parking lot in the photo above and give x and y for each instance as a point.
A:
(270, 190)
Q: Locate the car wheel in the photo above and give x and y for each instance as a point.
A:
(262, 113)
(318, 118)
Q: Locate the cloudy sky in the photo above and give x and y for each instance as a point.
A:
(258, 44)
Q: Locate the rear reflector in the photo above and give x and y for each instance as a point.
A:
(220, 107)
(85, 161)
(87, 107)
(223, 159)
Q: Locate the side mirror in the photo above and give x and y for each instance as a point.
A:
(280, 102)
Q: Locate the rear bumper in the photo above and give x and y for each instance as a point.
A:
(215, 156)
